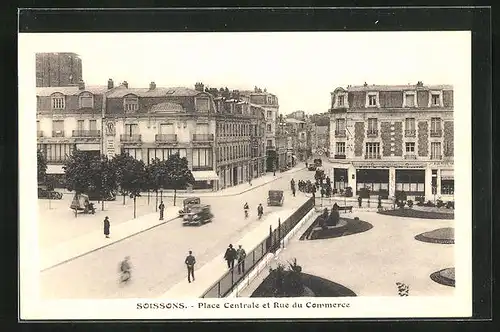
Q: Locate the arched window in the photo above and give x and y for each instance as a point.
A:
(130, 103)
(86, 100)
(58, 101)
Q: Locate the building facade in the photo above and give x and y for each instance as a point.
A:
(58, 69)
(154, 122)
(393, 138)
(68, 118)
(321, 140)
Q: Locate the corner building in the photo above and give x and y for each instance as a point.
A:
(393, 138)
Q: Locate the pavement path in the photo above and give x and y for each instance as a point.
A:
(157, 255)
(371, 263)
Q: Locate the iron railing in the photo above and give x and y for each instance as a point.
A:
(203, 137)
(166, 137)
(86, 133)
(410, 132)
(340, 133)
(436, 133)
(270, 244)
(372, 133)
(57, 133)
(410, 156)
(130, 138)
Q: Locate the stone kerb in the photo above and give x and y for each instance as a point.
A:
(245, 282)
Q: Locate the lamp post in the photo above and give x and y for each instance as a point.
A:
(345, 199)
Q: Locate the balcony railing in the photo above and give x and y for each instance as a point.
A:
(372, 133)
(372, 156)
(203, 137)
(130, 138)
(86, 133)
(436, 156)
(410, 133)
(339, 156)
(166, 137)
(410, 156)
(436, 133)
(202, 168)
(58, 133)
(39, 133)
(339, 133)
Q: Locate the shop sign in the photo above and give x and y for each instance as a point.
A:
(386, 165)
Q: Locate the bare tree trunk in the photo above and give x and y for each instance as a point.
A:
(124, 199)
(102, 205)
(175, 195)
(161, 195)
(134, 208)
(149, 194)
(156, 206)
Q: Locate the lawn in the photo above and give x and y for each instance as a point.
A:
(444, 277)
(417, 213)
(441, 235)
(345, 227)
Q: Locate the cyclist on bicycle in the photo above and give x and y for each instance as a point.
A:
(125, 269)
(245, 207)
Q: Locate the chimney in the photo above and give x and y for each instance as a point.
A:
(199, 87)
(81, 85)
(152, 86)
(125, 84)
(111, 84)
(420, 83)
(365, 84)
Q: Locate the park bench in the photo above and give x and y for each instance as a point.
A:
(345, 208)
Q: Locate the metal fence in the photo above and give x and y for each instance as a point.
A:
(271, 243)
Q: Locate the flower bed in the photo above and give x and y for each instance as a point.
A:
(345, 227)
(416, 213)
(313, 286)
(444, 277)
(441, 236)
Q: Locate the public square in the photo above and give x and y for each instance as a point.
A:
(157, 255)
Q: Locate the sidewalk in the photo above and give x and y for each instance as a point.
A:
(238, 189)
(211, 272)
(95, 240)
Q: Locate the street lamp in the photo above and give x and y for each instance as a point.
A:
(345, 203)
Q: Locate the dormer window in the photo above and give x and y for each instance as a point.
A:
(58, 101)
(86, 100)
(340, 101)
(409, 99)
(372, 100)
(202, 104)
(130, 104)
(435, 100)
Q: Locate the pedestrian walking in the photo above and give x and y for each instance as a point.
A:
(360, 200)
(190, 261)
(106, 227)
(161, 207)
(293, 191)
(241, 254)
(230, 256)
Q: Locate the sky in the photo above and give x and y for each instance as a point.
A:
(301, 68)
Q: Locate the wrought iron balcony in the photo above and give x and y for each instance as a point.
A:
(372, 156)
(203, 137)
(202, 168)
(410, 156)
(436, 156)
(39, 133)
(340, 133)
(57, 133)
(436, 133)
(410, 133)
(86, 133)
(339, 156)
(166, 137)
(372, 133)
(131, 138)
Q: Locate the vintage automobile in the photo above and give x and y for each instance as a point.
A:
(199, 214)
(50, 194)
(81, 203)
(187, 203)
(275, 198)
(94, 196)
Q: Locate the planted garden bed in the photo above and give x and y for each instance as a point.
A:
(441, 236)
(416, 213)
(444, 277)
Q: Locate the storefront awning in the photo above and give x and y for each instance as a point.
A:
(205, 175)
(88, 147)
(447, 174)
(55, 169)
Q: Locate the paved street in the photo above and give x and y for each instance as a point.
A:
(371, 263)
(157, 255)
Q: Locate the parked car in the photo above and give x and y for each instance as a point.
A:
(50, 194)
(199, 214)
(93, 196)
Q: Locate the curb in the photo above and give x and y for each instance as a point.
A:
(107, 245)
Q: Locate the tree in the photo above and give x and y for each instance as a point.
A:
(79, 171)
(104, 178)
(157, 176)
(133, 179)
(41, 164)
(178, 173)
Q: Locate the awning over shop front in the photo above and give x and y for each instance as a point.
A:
(88, 147)
(447, 174)
(55, 169)
(205, 175)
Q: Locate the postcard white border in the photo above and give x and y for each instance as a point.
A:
(32, 308)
